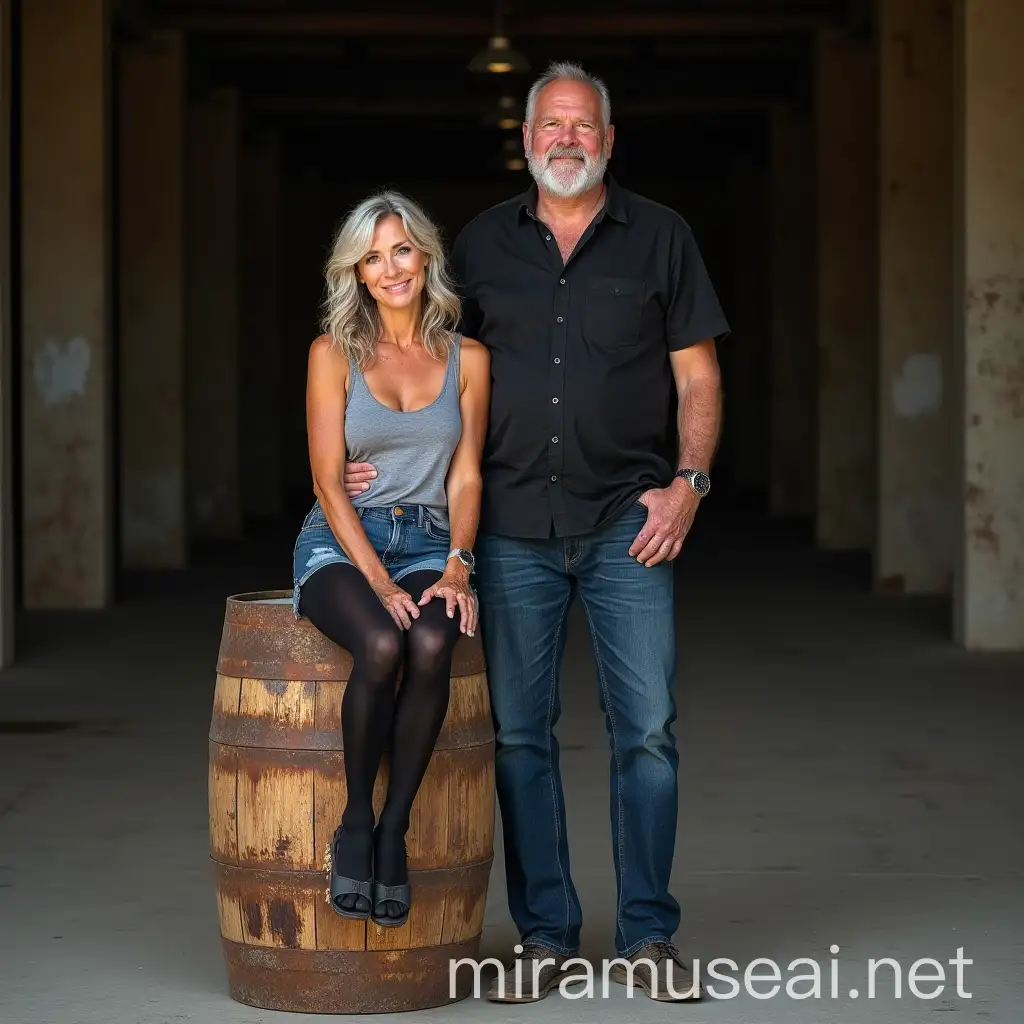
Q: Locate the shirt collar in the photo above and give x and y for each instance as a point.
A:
(614, 203)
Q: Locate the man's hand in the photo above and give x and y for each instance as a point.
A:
(357, 477)
(670, 512)
(453, 587)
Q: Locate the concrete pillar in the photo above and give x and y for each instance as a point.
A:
(793, 277)
(211, 317)
(989, 285)
(748, 399)
(915, 549)
(307, 223)
(262, 485)
(847, 332)
(151, 297)
(67, 538)
(7, 566)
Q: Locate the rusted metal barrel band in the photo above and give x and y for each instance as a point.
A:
(260, 736)
(322, 732)
(462, 876)
(262, 639)
(344, 981)
(330, 762)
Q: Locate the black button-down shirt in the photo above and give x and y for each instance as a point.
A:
(582, 389)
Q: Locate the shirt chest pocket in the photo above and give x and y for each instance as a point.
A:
(613, 311)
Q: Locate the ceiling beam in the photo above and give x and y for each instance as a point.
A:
(340, 23)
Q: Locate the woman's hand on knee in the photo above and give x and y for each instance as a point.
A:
(399, 604)
(457, 593)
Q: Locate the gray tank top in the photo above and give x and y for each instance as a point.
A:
(411, 451)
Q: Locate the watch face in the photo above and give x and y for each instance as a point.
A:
(697, 479)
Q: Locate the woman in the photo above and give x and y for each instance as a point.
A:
(386, 574)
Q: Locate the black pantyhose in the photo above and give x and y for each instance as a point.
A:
(339, 601)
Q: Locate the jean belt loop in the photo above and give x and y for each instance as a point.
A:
(421, 516)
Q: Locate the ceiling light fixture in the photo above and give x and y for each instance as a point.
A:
(508, 115)
(514, 159)
(498, 57)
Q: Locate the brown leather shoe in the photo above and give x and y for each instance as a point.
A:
(659, 969)
(534, 958)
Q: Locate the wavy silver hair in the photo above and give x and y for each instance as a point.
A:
(565, 69)
(351, 317)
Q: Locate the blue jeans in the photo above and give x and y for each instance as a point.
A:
(525, 589)
(406, 537)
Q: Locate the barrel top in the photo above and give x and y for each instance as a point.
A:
(262, 639)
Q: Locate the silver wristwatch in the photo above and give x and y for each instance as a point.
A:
(464, 556)
(697, 479)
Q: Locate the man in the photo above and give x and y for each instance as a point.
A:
(594, 304)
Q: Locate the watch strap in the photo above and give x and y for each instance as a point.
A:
(691, 475)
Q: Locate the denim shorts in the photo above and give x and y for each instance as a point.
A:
(406, 537)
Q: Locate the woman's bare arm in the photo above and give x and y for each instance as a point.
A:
(326, 391)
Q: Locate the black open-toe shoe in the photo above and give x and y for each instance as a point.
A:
(385, 894)
(396, 894)
(341, 886)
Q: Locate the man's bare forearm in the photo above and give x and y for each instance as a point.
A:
(700, 422)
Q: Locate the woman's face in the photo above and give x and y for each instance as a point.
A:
(394, 270)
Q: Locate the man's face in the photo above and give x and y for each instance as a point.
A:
(567, 146)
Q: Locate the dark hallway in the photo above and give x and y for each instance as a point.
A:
(850, 614)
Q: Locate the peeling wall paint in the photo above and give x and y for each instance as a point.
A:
(989, 261)
(66, 539)
(61, 370)
(917, 390)
(915, 549)
(995, 307)
(993, 522)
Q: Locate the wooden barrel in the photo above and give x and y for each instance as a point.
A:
(277, 792)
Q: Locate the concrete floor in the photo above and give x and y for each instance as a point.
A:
(849, 777)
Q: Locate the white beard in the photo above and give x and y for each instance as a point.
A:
(563, 181)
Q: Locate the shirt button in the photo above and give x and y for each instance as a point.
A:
(559, 319)
(562, 281)
(554, 440)
(557, 360)
(548, 237)
(554, 401)
(553, 478)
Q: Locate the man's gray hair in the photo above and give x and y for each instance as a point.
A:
(573, 72)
